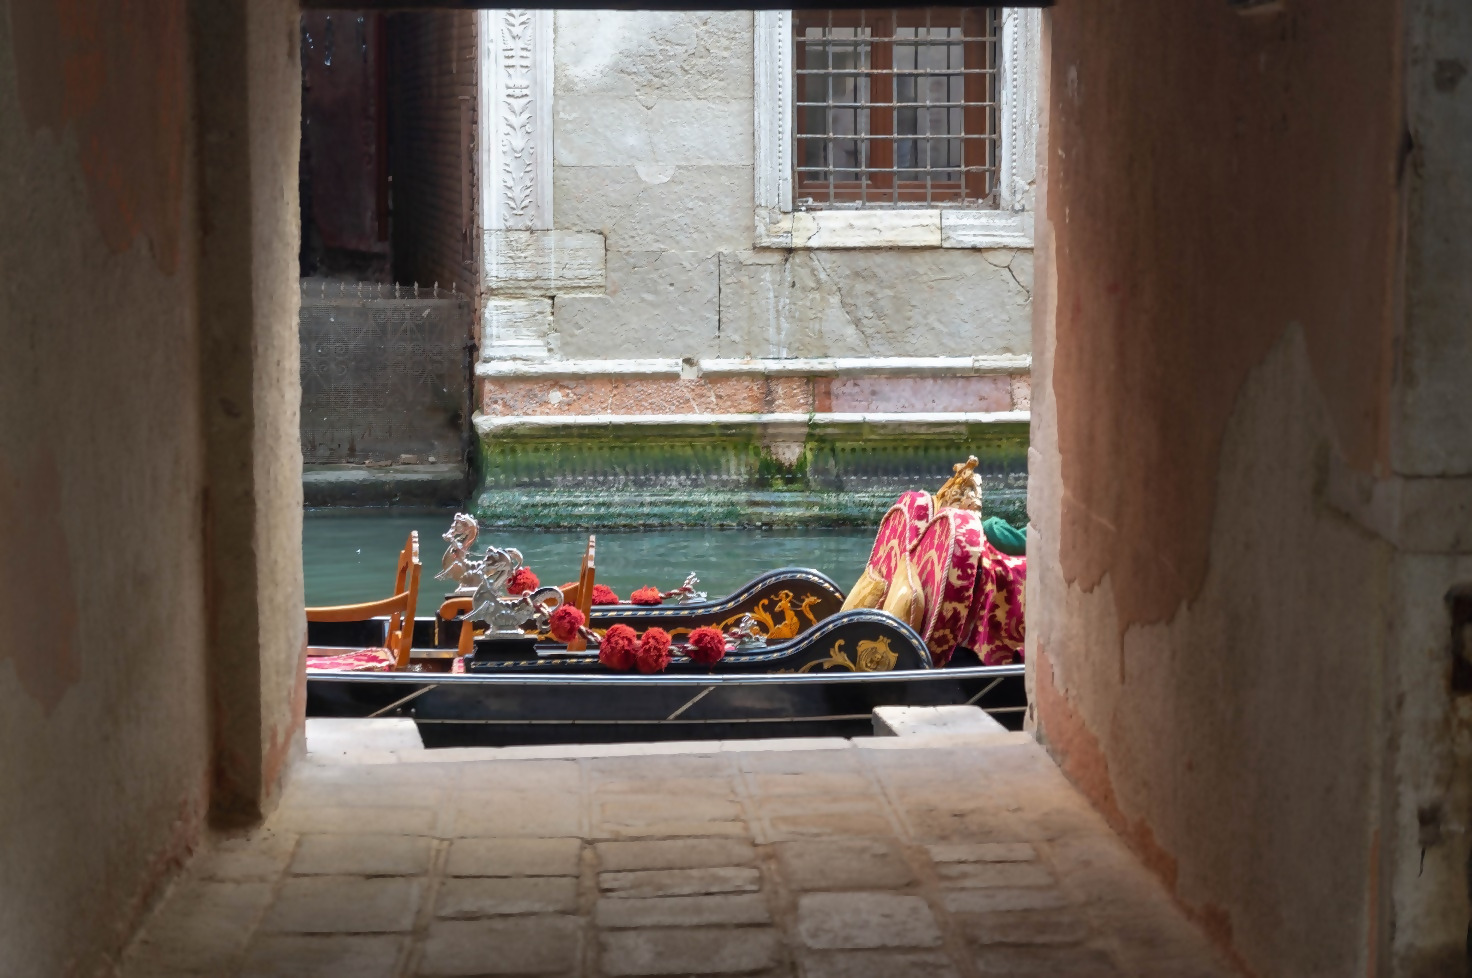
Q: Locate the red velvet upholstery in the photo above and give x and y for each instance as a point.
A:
(996, 633)
(362, 660)
(898, 532)
(946, 558)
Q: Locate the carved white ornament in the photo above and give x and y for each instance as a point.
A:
(516, 144)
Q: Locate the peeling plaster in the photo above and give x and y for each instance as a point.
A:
(1168, 293)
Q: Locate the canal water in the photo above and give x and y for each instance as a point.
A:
(349, 555)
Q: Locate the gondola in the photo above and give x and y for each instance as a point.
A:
(787, 655)
(825, 682)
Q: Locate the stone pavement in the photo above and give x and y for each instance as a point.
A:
(929, 856)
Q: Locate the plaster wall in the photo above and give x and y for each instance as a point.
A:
(1216, 309)
(249, 100)
(654, 150)
(1248, 486)
(105, 742)
(149, 521)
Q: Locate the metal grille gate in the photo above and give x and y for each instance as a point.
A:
(386, 374)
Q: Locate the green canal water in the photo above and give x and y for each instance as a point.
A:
(349, 555)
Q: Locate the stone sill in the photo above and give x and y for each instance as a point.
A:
(691, 368)
(937, 228)
(487, 425)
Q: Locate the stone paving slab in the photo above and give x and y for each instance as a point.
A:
(875, 919)
(514, 857)
(878, 964)
(680, 882)
(843, 864)
(470, 897)
(947, 857)
(674, 854)
(522, 946)
(362, 854)
(343, 905)
(325, 956)
(684, 911)
(688, 951)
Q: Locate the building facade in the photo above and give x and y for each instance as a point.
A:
(752, 253)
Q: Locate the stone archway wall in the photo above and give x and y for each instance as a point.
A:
(150, 487)
(1228, 652)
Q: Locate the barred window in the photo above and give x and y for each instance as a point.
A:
(896, 108)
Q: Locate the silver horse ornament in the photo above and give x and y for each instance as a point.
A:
(458, 564)
(486, 578)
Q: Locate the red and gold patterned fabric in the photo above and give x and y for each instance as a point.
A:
(946, 559)
(898, 532)
(363, 660)
(998, 608)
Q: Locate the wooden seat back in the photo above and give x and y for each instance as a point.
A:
(581, 593)
(400, 608)
(452, 609)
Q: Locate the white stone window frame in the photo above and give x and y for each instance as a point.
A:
(1008, 225)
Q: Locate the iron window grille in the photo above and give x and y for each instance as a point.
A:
(896, 108)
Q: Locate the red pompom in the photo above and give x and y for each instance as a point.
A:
(603, 594)
(523, 581)
(707, 646)
(617, 649)
(653, 653)
(565, 622)
(646, 595)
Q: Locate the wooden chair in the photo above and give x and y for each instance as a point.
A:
(400, 608)
(453, 608)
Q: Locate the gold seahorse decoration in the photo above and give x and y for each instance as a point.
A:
(874, 655)
(790, 624)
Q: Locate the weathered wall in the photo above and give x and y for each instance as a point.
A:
(104, 735)
(1425, 507)
(1216, 306)
(654, 149)
(249, 101)
(137, 257)
(1246, 513)
(432, 102)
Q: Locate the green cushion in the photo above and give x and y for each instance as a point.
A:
(1004, 536)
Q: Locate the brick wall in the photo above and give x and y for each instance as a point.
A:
(432, 106)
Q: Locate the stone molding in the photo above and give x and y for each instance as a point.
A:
(515, 328)
(490, 424)
(530, 264)
(516, 135)
(1009, 225)
(773, 97)
(691, 368)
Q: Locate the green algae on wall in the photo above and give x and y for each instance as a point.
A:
(727, 474)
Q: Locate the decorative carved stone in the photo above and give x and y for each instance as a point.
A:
(543, 263)
(516, 143)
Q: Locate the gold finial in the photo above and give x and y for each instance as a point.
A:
(963, 489)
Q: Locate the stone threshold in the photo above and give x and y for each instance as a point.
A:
(395, 740)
